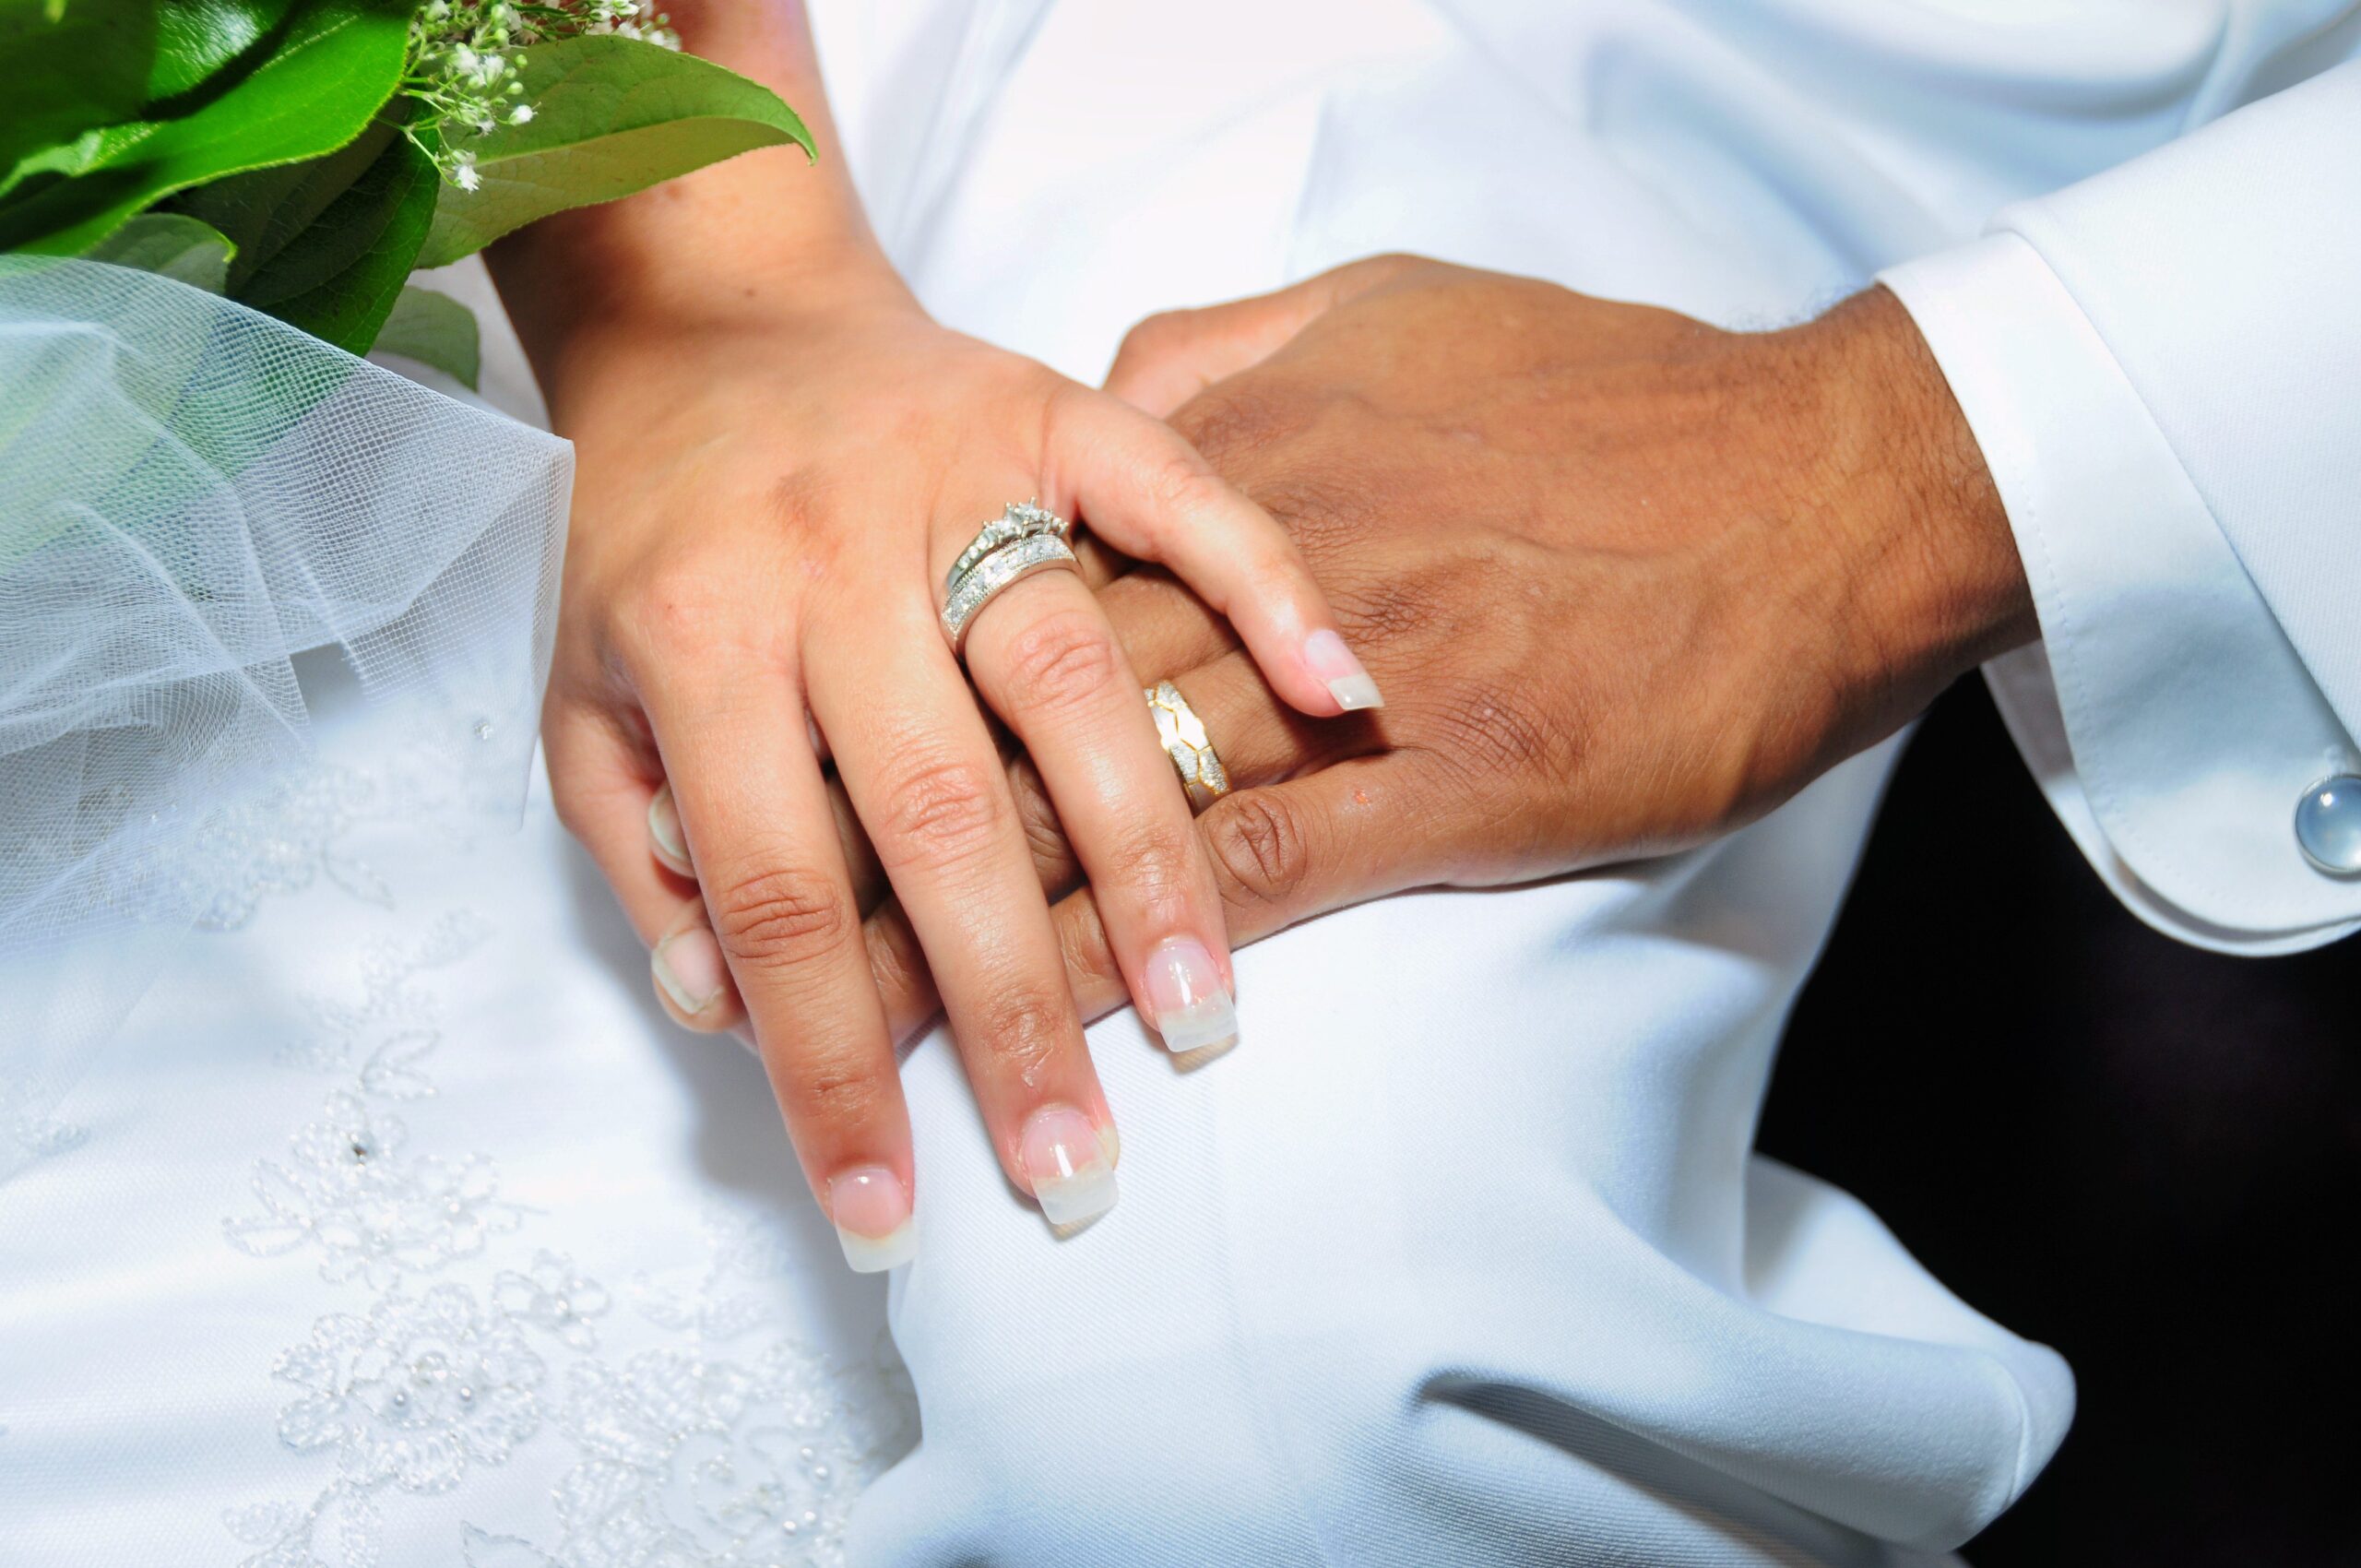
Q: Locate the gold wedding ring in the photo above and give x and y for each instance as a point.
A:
(1203, 777)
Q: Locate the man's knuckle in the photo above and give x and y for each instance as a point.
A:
(1082, 942)
(1493, 727)
(1229, 423)
(783, 916)
(896, 970)
(1036, 816)
(1327, 517)
(1261, 847)
(1385, 609)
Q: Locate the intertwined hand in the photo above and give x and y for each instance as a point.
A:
(1627, 581)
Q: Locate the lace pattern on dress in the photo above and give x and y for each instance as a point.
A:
(26, 1129)
(284, 839)
(725, 1447)
(281, 841)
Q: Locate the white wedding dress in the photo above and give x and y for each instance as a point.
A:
(398, 1227)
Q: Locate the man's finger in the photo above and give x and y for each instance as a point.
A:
(1151, 494)
(1162, 625)
(1258, 740)
(1282, 854)
(1169, 358)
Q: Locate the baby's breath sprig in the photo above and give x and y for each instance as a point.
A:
(464, 56)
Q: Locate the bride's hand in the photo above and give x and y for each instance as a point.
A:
(1629, 580)
(769, 491)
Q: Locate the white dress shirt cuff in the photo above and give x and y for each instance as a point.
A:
(2167, 716)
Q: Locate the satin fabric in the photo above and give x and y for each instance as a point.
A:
(1463, 1256)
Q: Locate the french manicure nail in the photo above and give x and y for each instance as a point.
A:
(872, 1210)
(1192, 1008)
(689, 966)
(664, 825)
(1333, 664)
(1068, 1164)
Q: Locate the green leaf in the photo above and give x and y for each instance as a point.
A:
(610, 116)
(197, 37)
(172, 245)
(319, 80)
(339, 277)
(104, 62)
(437, 330)
(262, 209)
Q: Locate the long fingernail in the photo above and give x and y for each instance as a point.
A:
(1333, 664)
(1068, 1164)
(664, 825)
(872, 1210)
(689, 966)
(1184, 990)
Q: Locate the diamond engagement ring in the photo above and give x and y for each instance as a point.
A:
(1006, 567)
(1203, 777)
(1015, 522)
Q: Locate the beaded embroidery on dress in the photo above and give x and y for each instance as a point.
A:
(719, 1446)
(395, 1228)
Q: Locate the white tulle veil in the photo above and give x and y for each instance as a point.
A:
(197, 502)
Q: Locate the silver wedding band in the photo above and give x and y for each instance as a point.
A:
(1022, 540)
(1203, 777)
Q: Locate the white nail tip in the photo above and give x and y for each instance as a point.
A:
(1077, 1199)
(1210, 1022)
(663, 826)
(683, 998)
(876, 1254)
(1354, 693)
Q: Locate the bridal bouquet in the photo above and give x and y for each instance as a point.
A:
(303, 157)
(207, 208)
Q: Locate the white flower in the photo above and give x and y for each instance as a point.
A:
(462, 76)
(689, 1459)
(554, 1297)
(415, 1392)
(368, 1208)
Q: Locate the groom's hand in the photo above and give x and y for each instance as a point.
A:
(1626, 580)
